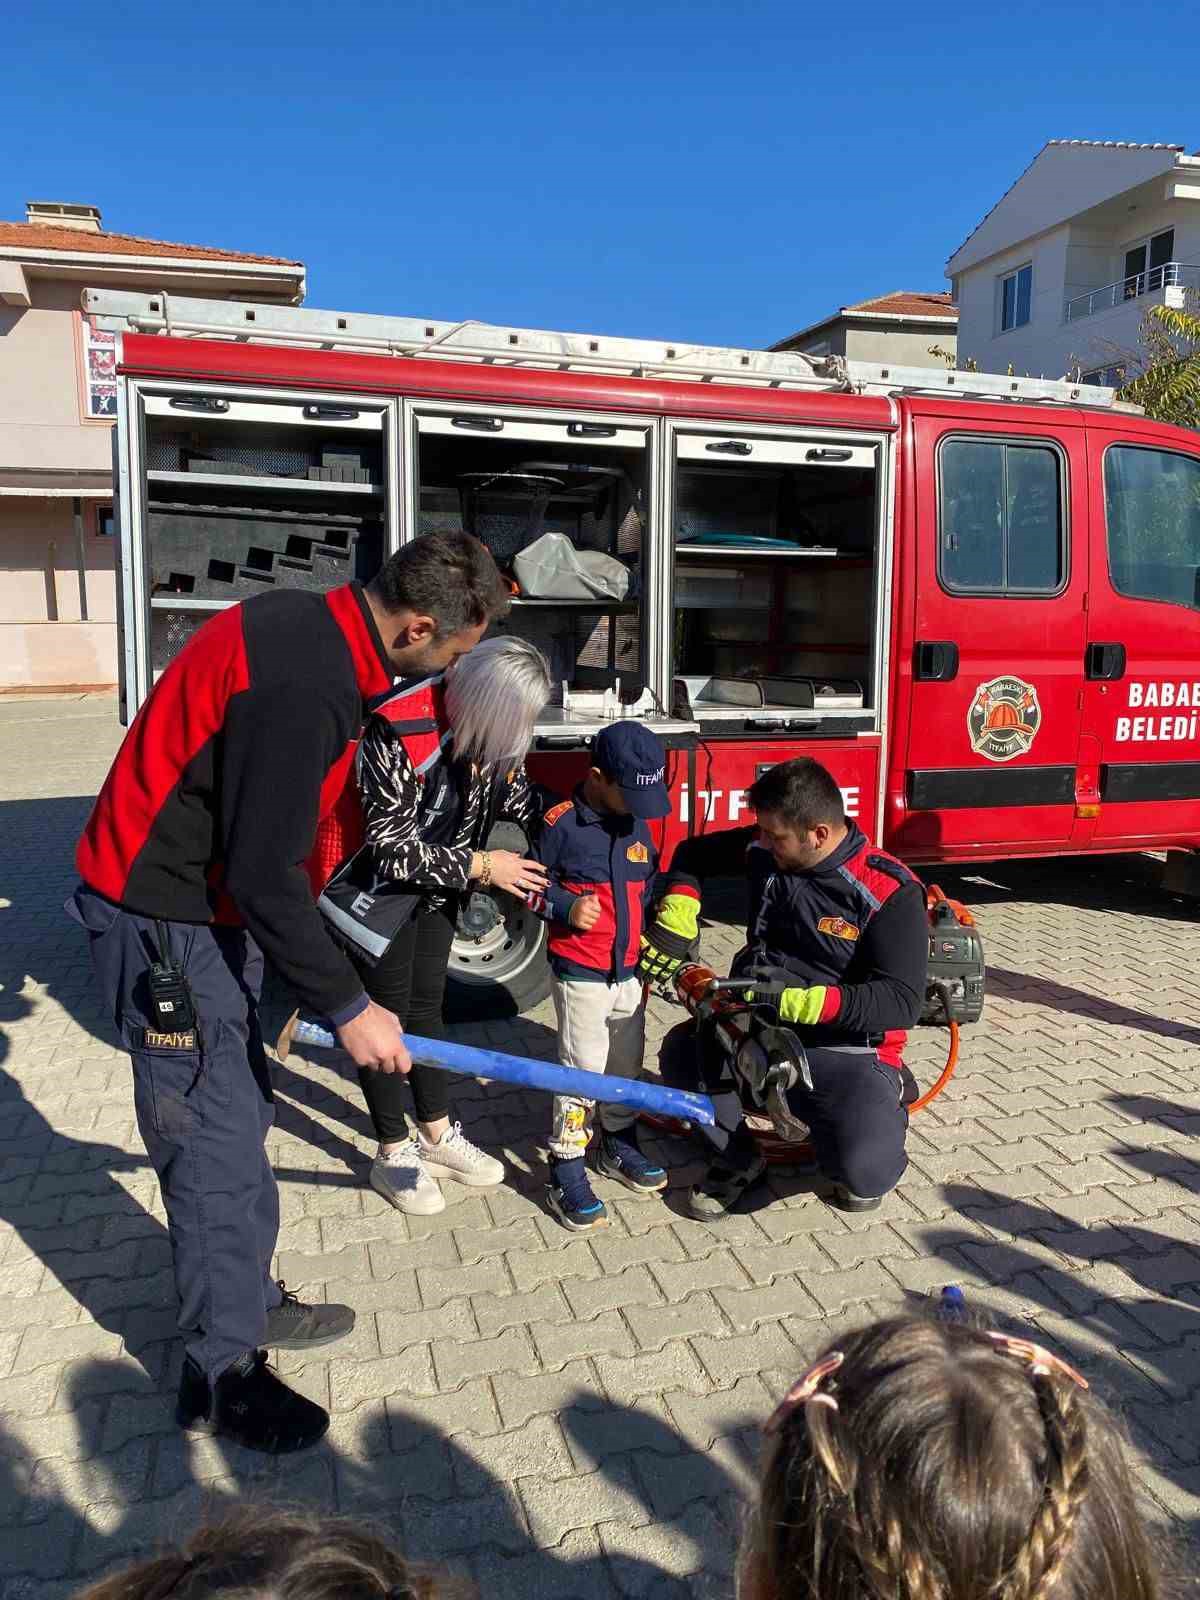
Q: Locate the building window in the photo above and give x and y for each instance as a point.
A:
(99, 371)
(104, 522)
(1152, 507)
(1015, 292)
(1000, 517)
(1148, 264)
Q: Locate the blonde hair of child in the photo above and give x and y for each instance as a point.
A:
(935, 1461)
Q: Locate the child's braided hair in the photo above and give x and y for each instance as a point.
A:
(931, 1461)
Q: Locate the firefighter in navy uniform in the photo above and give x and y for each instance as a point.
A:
(847, 923)
(194, 865)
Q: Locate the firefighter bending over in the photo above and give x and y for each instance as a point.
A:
(846, 924)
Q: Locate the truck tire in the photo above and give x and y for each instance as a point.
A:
(498, 966)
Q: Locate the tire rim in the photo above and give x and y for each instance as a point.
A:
(502, 953)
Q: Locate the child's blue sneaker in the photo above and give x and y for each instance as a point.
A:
(570, 1197)
(620, 1156)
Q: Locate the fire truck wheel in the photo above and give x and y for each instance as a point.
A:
(498, 966)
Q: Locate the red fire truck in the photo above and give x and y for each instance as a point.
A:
(975, 598)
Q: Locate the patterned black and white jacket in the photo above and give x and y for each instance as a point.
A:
(403, 806)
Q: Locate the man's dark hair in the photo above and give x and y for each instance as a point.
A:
(802, 792)
(450, 577)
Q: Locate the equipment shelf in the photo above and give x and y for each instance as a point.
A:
(233, 480)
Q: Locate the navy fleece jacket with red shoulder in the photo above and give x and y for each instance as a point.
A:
(210, 810)
(595, 852)
(855, 925)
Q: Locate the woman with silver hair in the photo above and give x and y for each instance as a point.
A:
(427, 821)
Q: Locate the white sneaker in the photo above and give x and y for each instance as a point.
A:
(454, 1156)
(401, 1178)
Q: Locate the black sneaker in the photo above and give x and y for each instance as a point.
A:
(571, 1198)
(620, 1157)
(251, 1405)
(722, 1186)
(294, 1326)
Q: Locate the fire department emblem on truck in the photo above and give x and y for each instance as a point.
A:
(1004, 718)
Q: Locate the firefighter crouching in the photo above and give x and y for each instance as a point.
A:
(844, 925)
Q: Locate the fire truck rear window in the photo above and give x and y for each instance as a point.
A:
(1000, 517)
(1152, 504)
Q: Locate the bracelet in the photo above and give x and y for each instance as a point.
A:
(485, 877)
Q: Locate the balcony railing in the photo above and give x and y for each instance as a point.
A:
(1171, 274)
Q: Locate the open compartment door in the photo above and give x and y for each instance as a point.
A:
(565, 502)
(777, 550)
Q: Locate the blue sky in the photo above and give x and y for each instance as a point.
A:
(720, 172)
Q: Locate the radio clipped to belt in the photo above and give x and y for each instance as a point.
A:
(172, 1008)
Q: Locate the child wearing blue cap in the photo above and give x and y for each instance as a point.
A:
(602, 863)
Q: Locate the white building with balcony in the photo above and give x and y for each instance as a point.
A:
(1059, 274)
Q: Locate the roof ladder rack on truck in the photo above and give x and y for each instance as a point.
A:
(120, 311)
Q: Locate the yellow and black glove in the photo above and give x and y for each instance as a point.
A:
(671, 940)
(803, 1007)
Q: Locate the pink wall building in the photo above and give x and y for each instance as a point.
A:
(57, 400)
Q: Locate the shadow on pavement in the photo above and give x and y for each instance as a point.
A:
(61, 1197)
(84, 1239)
(667, 1505)
(1138, 1350)
(1005, 984)
(1130, 884)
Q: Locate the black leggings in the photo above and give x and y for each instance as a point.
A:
(410, 980)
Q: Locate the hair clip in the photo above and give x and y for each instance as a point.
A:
(804, 1390)
(1042, 1363)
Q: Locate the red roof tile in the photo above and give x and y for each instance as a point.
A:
(907, 303)
(900, 303)
(45, 236)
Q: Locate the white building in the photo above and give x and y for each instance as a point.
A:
(1059, 274)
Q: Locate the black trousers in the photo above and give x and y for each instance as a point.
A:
(411, 981)
(204, 1108)
(855, 1113)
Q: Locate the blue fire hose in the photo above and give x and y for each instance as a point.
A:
(545, 1075)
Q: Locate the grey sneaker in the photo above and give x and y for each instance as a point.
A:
(400, 1177)
(291, 1325)
(843, 1200)
(454, 1156)
(721, 1188)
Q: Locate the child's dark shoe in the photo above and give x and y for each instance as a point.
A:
(620, 1156)
(569, 1195)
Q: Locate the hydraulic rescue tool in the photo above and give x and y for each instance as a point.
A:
(768, 1059)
